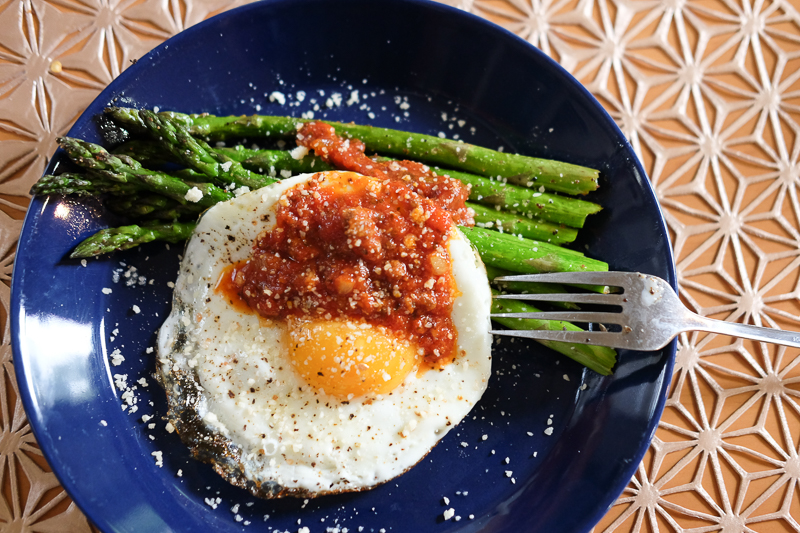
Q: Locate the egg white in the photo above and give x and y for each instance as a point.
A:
(236, 401)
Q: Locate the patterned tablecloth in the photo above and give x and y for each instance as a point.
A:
(707, 91)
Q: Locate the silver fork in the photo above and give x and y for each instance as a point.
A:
(652, 314)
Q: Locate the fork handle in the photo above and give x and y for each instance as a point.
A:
(747, 331)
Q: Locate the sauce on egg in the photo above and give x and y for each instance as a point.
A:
(448, 193)
(365, 250)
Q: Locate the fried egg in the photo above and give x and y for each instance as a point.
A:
(308, 407)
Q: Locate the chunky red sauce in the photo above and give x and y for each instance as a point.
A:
(349, 246)
(348, 154)
(346, 245)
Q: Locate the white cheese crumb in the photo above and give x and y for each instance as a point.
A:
(116, 357)
(448, 514)
(446, 500)
(106, 290)
(509, 473)
(121, 381)
(548, 431)
(169, 427)
(159, 458)
(211, 503)
(277, 96)
(83, 262)
(241, 190)
(193, 195)
(566, 377)
(103, 423)
(180, 473)
(484, 437)
(136, 309)
(299, 153)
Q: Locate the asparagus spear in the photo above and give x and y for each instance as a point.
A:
(527, 287)
(125, 237)
(148, 153)
(598, 358)
(197, 155)
(78, 184)
(527, 256)
(280, 160)
(536, 229)
(553, 175)
(555, 208)
(552, 207)
(124, 169)
(153, 207)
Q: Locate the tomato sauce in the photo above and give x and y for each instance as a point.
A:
(349, 246)
(348, 154)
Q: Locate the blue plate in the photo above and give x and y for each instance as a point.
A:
(418, 66)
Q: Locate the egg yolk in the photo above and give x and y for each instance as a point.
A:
(349, 359)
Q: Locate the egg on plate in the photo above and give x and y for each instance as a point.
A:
(309, 406)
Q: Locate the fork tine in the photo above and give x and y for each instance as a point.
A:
(614, 279)
(582, 298)
(598, 338)
(569, 316)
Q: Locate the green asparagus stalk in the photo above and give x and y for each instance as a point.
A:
(152, 207)
(124, 169)
(598, 358)
(125, 237)
(80, 185)
(175, 213)
(526, 287)
(525, 201)
(148, 153)
(198, 155)
(553, 207)
(527, 256)
(536, 229)
(551, 211)
(142, 200)
(271, 162)
(553, 175)
(280, 161)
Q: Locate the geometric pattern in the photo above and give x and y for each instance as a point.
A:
(707, 92)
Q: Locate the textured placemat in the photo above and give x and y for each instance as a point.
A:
(708, 92)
